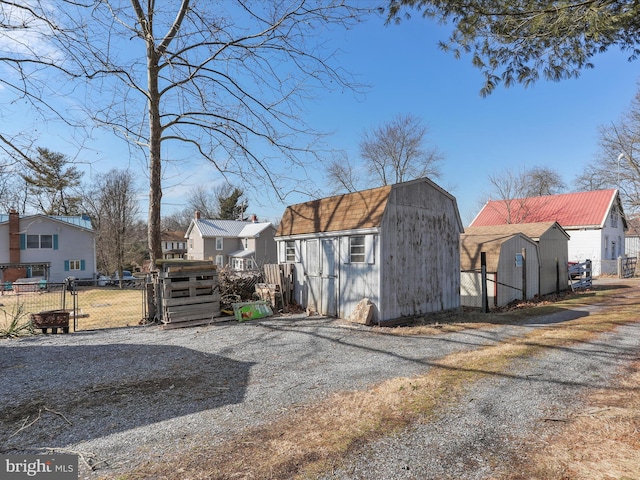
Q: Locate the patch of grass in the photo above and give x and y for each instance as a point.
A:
(317, 438)
(15, 323)
(98, 307)
(600, 441)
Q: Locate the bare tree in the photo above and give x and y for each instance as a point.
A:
(342, 175)
(514, 187)
(543, 181)
(618, 163)
(224, 80)
(114, 210)
(396, 151)
(204, 201)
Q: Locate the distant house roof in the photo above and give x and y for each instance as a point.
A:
(242, 253)
(172, 236)
(255, 229)
(532, 230)
(80, 221)
(571, 210)
(471, 246)
(350, 211)
(227, 228)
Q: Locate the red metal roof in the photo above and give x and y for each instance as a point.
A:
(582, 209)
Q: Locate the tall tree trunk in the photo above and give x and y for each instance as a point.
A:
(155, 165)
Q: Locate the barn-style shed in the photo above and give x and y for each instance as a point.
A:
(512, 268)
(396, 245)
(553, 249)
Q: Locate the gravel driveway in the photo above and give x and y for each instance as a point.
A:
(122, 396)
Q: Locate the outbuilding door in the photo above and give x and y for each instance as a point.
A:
(321, 276)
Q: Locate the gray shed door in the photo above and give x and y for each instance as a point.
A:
(321, 276)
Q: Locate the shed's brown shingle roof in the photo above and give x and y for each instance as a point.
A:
(472, 245)
(531, 230)
(332, 214)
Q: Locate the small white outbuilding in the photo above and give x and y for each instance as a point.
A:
(397, 246)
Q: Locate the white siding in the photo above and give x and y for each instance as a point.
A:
(586, 245)
(73, 244)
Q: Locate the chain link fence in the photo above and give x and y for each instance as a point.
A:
(90, 305)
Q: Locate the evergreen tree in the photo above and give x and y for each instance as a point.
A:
(230, 209)
(51, 183)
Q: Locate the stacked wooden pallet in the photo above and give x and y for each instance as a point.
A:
(190, 293)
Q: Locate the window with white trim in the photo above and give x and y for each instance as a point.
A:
(219, 244)
(74, 264)
(290, 251)
(220, 260)
(357, 249)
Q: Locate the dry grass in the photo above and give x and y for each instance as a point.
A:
(316, 438)
(109, 307)
(99, 307)
(601, 441)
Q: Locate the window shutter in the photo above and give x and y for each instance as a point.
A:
(23, 241)
(82, 264)
(55, 242)
(66, 265)
(370, 249)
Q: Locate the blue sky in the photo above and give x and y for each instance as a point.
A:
(549, 124)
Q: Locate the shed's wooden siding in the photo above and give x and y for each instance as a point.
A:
(359, 280)
(420, 253)
(510, 277)
(552, 248)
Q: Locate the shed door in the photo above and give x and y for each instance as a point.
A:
(328, 273)
(321, 277)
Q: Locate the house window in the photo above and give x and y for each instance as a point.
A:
(191, 243)
(238, 264)
(219, 244)
(246, 243)
(39, 241)
(614, 219)
(290, 251)
(38, 271)
(70, 265)
(74, 264)
(356, 249)
(220, 260)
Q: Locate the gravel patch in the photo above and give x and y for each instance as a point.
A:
(128, 395)
(474, 439)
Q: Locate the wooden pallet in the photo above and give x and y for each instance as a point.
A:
(190, 294)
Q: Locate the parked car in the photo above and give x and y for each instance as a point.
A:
(127, 279)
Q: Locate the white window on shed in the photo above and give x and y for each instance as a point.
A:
(290, 251)
(357, 249)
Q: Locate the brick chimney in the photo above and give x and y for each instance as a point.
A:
(197, 215)
(14, 236)
(254, 218)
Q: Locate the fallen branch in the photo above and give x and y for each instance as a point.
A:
(58, 413)
(25, 425)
